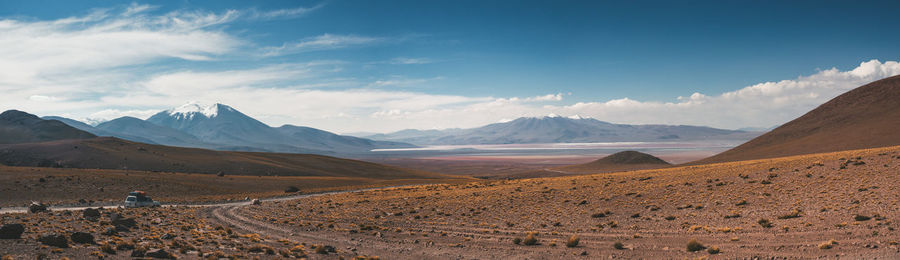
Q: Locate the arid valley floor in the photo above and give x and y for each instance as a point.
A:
(834, 205)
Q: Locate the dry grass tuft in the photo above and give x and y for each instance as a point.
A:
(828, 244)
(694, 246)
(573, 241)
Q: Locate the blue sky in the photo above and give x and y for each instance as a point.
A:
(378, 66)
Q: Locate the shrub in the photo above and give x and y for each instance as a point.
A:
(694, 246)
(765, 223)
(619, 246)
(320, 249)
(861, 218)
(531, 239)
(517, 241)
(670, 218)
(573, 241)
(713, 250)
(108, 248)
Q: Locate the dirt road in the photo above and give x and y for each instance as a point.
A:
(9, 210)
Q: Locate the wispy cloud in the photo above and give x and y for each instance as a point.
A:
(407, 61)
(398, 81)
(320, 43)
(282, 13)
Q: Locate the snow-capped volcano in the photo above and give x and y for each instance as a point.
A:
(232, 130)
(215, 123)
(194, 108)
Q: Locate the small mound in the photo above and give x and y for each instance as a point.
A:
(630, 157)
(621, 161)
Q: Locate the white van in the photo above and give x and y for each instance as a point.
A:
(137, 199)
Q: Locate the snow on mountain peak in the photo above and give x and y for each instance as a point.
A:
(194, 108)
(576, 117)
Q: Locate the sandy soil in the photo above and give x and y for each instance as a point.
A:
(832, 205)
(810, 201)
(21, 185)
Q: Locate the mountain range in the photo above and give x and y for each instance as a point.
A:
(221, 127)
(557, 129)
(28, 140)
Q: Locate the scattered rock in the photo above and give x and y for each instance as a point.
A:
(91, 214)
(36, 207)
(220, 174)
(110, 231)
(82, 238)
(121, 223)
(54, 239)
(158, 253)
(138, 252)
(255, 202)
(11, 231)
(167, 236)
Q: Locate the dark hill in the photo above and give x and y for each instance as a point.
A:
(621, 161)
(20, 127)
(865, 117)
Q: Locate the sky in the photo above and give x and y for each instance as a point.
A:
(381, 66)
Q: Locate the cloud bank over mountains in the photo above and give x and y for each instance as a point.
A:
(131, 61)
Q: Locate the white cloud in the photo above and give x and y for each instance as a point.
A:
(320, 43)
(51, 52)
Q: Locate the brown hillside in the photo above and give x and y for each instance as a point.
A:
(113, 153)
(621, 161)
(20, 127)
(865, 117)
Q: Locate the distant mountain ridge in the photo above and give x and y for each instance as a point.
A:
(221, 127)
(556, 129)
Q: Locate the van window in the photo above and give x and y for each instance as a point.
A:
(130, 199)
